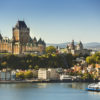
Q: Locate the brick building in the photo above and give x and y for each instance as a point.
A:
(21, 42)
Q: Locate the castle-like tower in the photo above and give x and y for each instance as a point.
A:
(21, 42)
(20, 37)
(21, 33)
(79, 46)
(77, 49)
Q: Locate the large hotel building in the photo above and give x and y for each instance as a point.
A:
(21, 42)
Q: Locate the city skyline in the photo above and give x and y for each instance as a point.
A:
(56, 21)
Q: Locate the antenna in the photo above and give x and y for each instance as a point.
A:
(23, 19)
(18, 18)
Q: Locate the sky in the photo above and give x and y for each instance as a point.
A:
(55, 21)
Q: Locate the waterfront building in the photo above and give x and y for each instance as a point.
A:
(7, 75)
(43, 74)
(50, 73)
(65, 77)
(2, 75)
(53, 74)
(13, 75)
(21, 42)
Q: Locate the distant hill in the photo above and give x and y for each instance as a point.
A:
(91, 45)
(61, 45)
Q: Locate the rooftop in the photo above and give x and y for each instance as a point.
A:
(21, 24)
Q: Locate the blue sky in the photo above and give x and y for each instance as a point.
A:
(56, 21)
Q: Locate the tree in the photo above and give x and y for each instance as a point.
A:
(26, 62)
(90, 60)
(30, 67)
(4, 64)
(28, 74)
(98, 59)
(50, 49)
(36, 67)
(87, 76)
(20, 75)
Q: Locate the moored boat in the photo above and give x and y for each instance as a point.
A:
(94, 87)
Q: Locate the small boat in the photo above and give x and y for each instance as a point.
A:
(94, 87)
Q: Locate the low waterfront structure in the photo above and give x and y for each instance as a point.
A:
(65, 77)
(43, 74)
(53, 74)
(48, 74)
(13, 75)
(7, 75)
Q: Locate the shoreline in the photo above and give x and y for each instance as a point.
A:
(45, 81)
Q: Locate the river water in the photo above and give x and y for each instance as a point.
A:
(47, 91)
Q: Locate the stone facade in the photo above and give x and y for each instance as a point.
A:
(5, 45)
(43, 74)
(77, 49)
(48, 74)
(21, 42)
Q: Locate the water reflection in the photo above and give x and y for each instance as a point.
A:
(94, 93)
(26, 85)
(47, 91)
(78, 86)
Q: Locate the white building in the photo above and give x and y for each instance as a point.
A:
(4, 75)
(42, 74)
(13, 75)
(65, 77)
(53, 74)
(50, 74)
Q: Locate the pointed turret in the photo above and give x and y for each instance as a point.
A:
(34, 40)
(30, 40)
(44, 42)
(72, 45)
(1, 37)
(73, 42)
(79, 46)
(40, 41)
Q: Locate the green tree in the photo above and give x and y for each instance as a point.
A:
(36, 67)
(90, 60)
(98, 59)
(4, 64)
(30, 66)
(26, 62)
(50, 49)
(20, 75)
(28, 74)
(87, 76)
